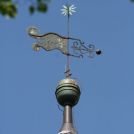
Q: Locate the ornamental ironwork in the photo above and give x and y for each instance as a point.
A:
(67, 45)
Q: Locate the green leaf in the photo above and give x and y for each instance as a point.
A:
(31, 9)
(12, 10)
(8, 9)
(42, 7)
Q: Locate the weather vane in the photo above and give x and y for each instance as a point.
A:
(67, 45)
(68, 91)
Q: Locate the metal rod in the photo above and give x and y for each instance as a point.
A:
(68, 74)
(67, 114)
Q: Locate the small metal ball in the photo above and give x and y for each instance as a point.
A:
(36, 47)
(98, 52)
(32, 31)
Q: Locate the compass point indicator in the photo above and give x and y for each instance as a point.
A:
(68, 10)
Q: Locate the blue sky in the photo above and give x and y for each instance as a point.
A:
(29, 79)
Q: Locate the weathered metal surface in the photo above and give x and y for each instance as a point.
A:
(67, 126)
(67, 45)
(67, 92)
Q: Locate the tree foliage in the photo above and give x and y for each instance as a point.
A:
(9, 8)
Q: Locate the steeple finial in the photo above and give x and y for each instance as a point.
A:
(68, 91)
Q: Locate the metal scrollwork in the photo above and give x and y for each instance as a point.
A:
(51, 41)
(80, 49)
